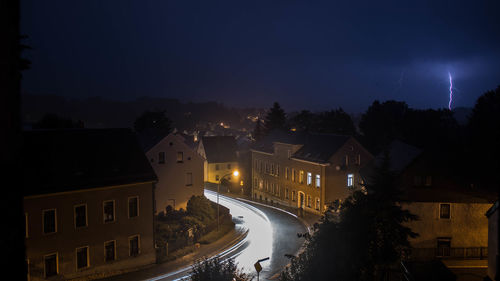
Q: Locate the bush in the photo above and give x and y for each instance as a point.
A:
(200, 207)
(216, 270)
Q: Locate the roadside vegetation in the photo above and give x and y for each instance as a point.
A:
(179, 232)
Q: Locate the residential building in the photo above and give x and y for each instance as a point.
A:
(88, 203)
(493, 216)
(220, 157)
(179, 169)
(306, 171)
(451, 222)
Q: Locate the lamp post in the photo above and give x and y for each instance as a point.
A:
(234, 173)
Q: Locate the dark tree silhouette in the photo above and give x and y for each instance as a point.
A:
(365, 236)
(258, 131)
(484, 138)
(217, 270)
(304, 121)
(336, 122)
(54, 121)
(275, 119)
(153, 120)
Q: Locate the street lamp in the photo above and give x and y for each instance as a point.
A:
(234, 173)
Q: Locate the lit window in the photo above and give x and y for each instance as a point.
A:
(444, 211)
(309, 178)
(350, 180)
(287, 173)
(317, 204)
(49, 221)
(308, 201)
(180, 157)
(301, 177)
(318, 181)
(82, 257)
(293, 174)
(133, 207)
(109, 211)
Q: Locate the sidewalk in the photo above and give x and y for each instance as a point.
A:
(208, 250)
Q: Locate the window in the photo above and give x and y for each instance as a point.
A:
(293, 174)
(26, 225)
(309, 178)
(293, 195)
(255, 183)
(216, 177)
(261, 184)
(318, 181)
(277, 170)
(161, 158)
(133, 207)
(109, 251)
(80, 216)
(189, 179)
(443, 247)
(134, 246)
(417, 181)
(308, 201)
(347, 160)
(359, 159)
(229, 166)
(428, 180)
(316, 205)
(286, 193)
(217, 167)
(49, 221)
(180, 157)
(108, 211)
(287, 173)
(82, 257)
(272, 169)
(444, 211)
(301, 177)
(350, 180)
(51, 267)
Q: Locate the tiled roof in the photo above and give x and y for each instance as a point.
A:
(220, 149)
(72, 159)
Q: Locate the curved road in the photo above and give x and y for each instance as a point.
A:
(269, 233)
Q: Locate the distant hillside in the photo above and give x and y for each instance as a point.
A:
(100, 112)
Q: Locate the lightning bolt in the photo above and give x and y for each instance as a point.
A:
(451, 91)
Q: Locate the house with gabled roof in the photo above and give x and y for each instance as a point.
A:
(451, 223)
(88, 203)
(306, 171)
(220, 154)
(179, 169)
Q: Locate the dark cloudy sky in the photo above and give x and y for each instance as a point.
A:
(304, 54)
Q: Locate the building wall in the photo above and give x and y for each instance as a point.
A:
(467, 226)
(67, 238)
(175, 186)
(216, 171)
(493, 243)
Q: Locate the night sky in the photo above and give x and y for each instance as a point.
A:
(304, 54)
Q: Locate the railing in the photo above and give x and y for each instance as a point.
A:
(448, 253)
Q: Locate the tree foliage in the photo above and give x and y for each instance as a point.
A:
(153, 120)
(275, 118)
(335, 121)
(54, 121)
(201, 208)
(359, 241)
(215, 269)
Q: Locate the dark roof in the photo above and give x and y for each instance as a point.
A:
(320, 147)
(220, 149)
(149, 138)
(317, 148)
(72, 159)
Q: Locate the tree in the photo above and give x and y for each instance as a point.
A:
(216, 270)
(304, 121)
(153, 120)
(275, 118)
(336, 122)
(258, 131)
(54, 121)
(364, 237)
(382, 123)
(484, 138)
(201, 208)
